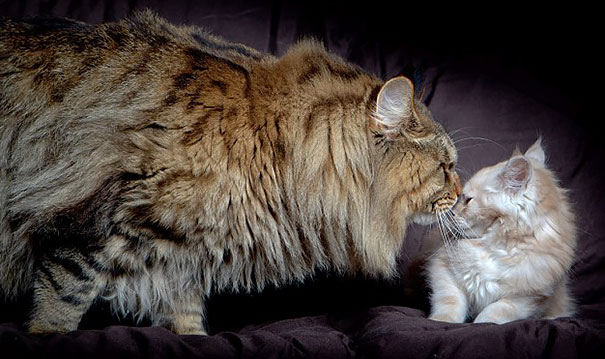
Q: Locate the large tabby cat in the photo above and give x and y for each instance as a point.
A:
(149, 164)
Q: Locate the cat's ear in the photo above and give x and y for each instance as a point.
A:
(515, 175)
(394, 106)
(516, 152)
(536, 151)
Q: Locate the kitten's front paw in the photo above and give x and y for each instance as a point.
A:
(444, 318)
(201, 332)
(490, 318)
(493, 319)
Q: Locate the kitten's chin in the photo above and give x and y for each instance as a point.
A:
(424, 218)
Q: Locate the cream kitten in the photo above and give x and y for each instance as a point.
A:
(509, 245)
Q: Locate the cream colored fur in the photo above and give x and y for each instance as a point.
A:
(510, 249)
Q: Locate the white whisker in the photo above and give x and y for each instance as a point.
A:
(447, 235)
(469, 146)
(458, 130)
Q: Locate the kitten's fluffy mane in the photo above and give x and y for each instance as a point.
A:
(512, 246)
(529, 199)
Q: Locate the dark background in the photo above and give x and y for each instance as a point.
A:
(499, 73)
(548, 51)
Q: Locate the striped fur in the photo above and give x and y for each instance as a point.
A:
(149, 164)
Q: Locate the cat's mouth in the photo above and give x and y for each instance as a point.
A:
(436, 208)
(443, 203)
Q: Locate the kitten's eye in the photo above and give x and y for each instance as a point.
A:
(451, 166)
(468, 200)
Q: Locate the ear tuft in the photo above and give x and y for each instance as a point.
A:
(536, 152)
(515, 175)
(394, 105)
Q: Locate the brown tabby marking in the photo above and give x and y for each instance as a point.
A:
(149, 164)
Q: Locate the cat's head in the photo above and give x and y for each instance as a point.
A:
(507, 192)
(416, 157)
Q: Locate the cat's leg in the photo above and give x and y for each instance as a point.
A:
(507, 309)
(185, 317)
(65, 286)
(448, 302)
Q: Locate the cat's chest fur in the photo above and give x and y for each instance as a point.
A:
(481, 268)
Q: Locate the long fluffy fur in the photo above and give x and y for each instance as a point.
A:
(150, 164)
(510, 248)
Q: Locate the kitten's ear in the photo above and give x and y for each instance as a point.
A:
(516, 152)
(515, 175)
(536, 151)
(394, 106)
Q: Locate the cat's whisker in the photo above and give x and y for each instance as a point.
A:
(458, 226)
(457, 232)
(458, 130)
(463, 224)
(442, 232)
(447, 221)
(469, 146)
(446, 233)
(463, 170)
(454, 225)
(477, 138)
(459, 223)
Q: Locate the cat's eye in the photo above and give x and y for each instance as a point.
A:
(468, 200)
(449, 167)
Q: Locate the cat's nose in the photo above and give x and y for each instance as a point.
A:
(457, 185)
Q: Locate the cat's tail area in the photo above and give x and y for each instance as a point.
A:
(560, 303)
(16, 266)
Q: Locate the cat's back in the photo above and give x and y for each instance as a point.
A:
(144, 29)
(68, 87)
(82, 105)
(55, 60)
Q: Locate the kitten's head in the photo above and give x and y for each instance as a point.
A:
(509, 192)
(416, 158)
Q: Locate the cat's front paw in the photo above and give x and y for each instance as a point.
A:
(187, 324)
